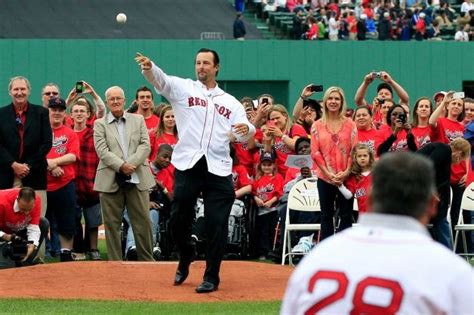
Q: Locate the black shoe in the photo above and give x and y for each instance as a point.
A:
(207, 287)
(132, 254)
(183, 267)
(66, 255)
(181, 275)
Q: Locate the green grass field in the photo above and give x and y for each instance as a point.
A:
(27, 306)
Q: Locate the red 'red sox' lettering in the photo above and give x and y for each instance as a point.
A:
(224, 111)
(196, 101)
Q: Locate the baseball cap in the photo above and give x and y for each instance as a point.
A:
(384, 85)
(267, 156)
(56, 102)
(440, 93)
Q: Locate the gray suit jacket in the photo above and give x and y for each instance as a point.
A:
(109, 150)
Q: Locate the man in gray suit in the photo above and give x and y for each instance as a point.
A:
(123, 176)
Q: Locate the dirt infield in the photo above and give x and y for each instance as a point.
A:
(141, 281)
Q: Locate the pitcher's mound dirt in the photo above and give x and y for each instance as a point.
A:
(142, 281)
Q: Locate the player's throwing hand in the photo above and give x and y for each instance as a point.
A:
(143, 61)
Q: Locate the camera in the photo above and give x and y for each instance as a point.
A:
(402, 118)
(264, 100)
(381, 101)
(79, 87)
(316, 88)
(376, 74)
(16, 249)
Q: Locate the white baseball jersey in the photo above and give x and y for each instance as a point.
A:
(204, 118)
(386, 265)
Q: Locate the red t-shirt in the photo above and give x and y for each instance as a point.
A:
(422, 135)
(65, 141)
(447, 130)
(11, 221)
(240, 177)
(152, 123)
(245, 157)
(282, 150)
(155, 143)
(360, 189)
(268, 186)
(370, 138)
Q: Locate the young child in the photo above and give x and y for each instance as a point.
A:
(267, 190)
(160, 200)
(358, 183)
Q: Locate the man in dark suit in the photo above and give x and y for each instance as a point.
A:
(25, 140)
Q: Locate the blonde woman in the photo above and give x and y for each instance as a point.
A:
(332, 140)
(283, 135)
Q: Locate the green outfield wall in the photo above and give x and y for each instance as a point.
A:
(247, 67)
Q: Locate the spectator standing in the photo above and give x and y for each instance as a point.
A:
(239, 27)
(420, 126)
(462, 35)
(167, 133)
(87, 199)
(267, 190)
(201, 158)
(123, 178)
(399, 136)
(61, 174)
(332, 139)
(467, 6)
(25, 140)
(366, 133)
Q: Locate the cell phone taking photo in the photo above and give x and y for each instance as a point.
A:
(458, 95)
(316, 88)
(79, 87)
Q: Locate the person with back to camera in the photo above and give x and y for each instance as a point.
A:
(205, 116)
(388, 264)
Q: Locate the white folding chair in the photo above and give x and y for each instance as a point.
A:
(467, 204)
(303, 196)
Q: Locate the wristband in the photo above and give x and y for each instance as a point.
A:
(303, 97)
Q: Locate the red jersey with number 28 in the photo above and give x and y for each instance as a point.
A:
(375, 268)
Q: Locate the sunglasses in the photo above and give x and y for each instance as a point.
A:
(50, 93)
(18, 121)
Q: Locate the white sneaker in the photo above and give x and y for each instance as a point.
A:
(304, 245)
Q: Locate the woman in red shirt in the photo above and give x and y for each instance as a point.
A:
(166, 132)
(447, 125)
(420, 125)
(332, 139)
(283, 135)
(399, 136)
(365, 132)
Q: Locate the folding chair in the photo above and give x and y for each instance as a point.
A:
(467, 204)
(303, 196)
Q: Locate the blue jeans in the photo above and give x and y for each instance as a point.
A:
(155, 228)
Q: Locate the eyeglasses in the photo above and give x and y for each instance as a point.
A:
(51, 93)
(113, 99)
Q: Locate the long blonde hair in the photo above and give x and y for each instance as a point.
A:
(342, 110)
(282, 110)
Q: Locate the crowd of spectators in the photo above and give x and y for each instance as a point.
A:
(342, 143)
(374, 19)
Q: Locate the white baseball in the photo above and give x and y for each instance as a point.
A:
(121, 18)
